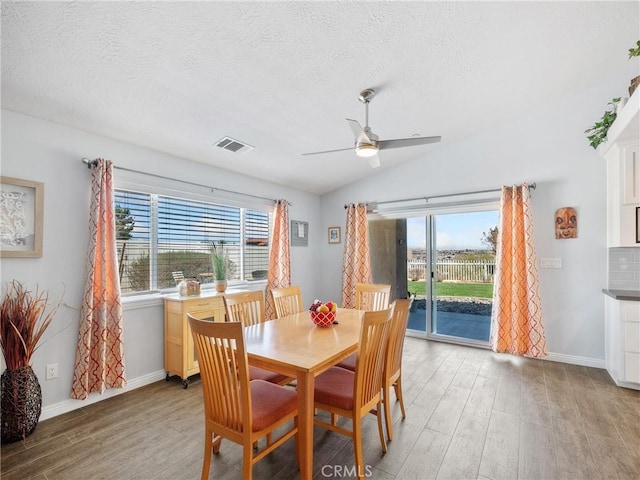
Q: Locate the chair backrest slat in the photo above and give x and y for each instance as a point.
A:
(396, 337)
(246, 307)
(287, 300)
(371, 296)
(374, 336)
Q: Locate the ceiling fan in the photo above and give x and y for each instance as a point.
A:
(367, 144)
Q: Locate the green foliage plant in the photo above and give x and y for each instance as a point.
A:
(124, 231)
(124, 223)
(598, 133)
(220, 261)
(635, 52)
(490, 239)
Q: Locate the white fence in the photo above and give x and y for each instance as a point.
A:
(472, 271)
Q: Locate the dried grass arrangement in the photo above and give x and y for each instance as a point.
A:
(23, 321)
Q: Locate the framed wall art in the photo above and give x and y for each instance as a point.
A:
(334, 235)
(21, 210)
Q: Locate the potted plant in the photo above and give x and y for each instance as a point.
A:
(635, 81)
(221, 266)
(598, 133)
(23, 321)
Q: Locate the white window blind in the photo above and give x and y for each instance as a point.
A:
(172, 234)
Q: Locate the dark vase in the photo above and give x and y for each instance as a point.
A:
(21, 403)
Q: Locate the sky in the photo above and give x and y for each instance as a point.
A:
(454, 231)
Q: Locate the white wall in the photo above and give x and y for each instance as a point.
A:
(548, 147)
(42, 151)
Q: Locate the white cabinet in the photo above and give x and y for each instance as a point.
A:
(622, 341)
(622, 316)
(631, 174)
(622, 154)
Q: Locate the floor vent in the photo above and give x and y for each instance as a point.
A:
(232, 145)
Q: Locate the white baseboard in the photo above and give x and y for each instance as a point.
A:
(575, 360)
(70, 405)
(553, 357)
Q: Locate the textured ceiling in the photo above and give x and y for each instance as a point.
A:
(282, 76)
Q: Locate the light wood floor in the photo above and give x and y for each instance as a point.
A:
(471, 414)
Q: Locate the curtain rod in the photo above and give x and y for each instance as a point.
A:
(93, 163)
(532, 186)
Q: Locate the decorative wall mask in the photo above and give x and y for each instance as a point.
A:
(566, 223)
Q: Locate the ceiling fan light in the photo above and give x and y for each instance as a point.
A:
(366, 150)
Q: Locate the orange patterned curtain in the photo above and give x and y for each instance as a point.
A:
(100, 352)
(516, 318)
(356, 264)
(279, 257)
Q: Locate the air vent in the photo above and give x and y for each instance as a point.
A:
(232, 145)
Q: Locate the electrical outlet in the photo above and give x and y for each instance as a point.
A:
(52, 371)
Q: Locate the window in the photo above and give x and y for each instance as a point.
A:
(443, 254)
(159, 234)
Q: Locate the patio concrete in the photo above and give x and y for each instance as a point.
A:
(464, 325)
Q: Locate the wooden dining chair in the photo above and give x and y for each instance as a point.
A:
(371, 296)
(236, 408)
(344, 393)
(393, 362)
(248, 308)
(287, 300)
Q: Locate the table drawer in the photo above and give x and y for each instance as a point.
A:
(201, 304)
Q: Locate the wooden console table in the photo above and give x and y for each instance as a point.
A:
(179, 352)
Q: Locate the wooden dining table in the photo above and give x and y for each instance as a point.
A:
(296, 347)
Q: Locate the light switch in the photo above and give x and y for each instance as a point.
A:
(551, 263)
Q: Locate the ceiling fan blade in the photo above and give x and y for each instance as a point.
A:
(407, 142)
(358, 131)
(374, 162)
(328, 151)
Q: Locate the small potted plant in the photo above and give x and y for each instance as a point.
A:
(23, 321)
(221, 266)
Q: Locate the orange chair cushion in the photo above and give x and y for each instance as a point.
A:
(349, 363)
(335, 387)
(257, 373)
(270, 402)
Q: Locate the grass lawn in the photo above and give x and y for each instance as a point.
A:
(479, 290)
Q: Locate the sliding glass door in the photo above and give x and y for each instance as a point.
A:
(450, 273)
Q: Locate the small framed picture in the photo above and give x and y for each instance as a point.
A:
(334, 235)
(21, 207)
(637, 224)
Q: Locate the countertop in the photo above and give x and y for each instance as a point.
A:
(633, 295)
(209, 292)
